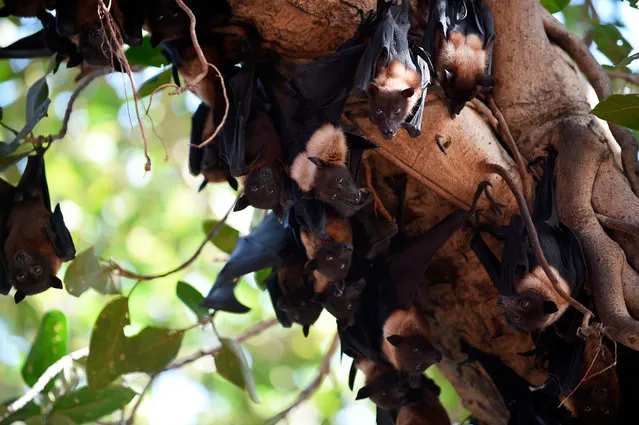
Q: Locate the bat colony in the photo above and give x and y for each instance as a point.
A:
(285, 141)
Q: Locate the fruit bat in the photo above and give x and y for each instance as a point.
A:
(343, 305)
(427, 411)
(386, 387)
(526, 406)
(35, 239)
(459, 36)
(393, 74)
(260, 249)
(207, 160)
(527, 295)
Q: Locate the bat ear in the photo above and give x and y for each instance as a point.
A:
(19, 296)
(203, 185)
(550, 307)
(395, 340)
(485, 80)
(310, 266)
(317, 161)
(231, 181)
(363, 392)
(372, 90)
(242, 203)
(306, 329)
(55, 282)
(408, 92)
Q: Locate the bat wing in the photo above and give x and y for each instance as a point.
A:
(32, 46)
(256, 251)
(406, 273)
(385, 417)
(196, 155)
(545, 205)
(6, 202)
(275, 291)
(62, 241)
(514, 257)
(490, 262)
(437, 23)
(485, 23)
(413, 123)
(357, 144)
(310, 213)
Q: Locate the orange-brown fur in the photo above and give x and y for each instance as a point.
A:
(405, 323)
(371, 369)
(464, 56)
(538, 282)
(396, 77)
(427, 412)
(327, 143)
(27, 223)
(192, 68)
(339, 230)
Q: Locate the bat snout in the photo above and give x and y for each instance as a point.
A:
(500, 302)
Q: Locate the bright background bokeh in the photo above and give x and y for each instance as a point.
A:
(151, 222)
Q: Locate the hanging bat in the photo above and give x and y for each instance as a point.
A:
(329, 259)
(260, 249)
(386, 387)
(528, 298)
(427, 411)
(393, 74)
(345, 304)
(35, 240)
(134, 15)
(207, 160)
(459, 36)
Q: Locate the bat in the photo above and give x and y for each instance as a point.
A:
(322, 169)
(329, 259)
(528, 298)
(258, 250)
(35, 239)
(393, 74)
(427, 411)
(526, 407)
(207, 160)
(385, 386)
(134, 15)
(23, 8)
(628, 373)
(459, 36)
(345, 304)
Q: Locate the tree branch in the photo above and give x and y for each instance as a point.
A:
(310, 390)
(620, 75)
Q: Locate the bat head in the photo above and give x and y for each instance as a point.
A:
(334, 185)
(263, 190)
(461, 89)
(333, 260)
(32, 274)
(300, 307)
(597, 403)
(389, 108)
(343, 305)
(95, 47)
(414, 352)
(387, 391)
(527, 311)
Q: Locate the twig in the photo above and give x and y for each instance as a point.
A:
(510, 142)
(250, 333)
(534, 240)
(51, 372)
(599, 80)
(140, 277)
(618, 224)
(481, 107)
(139, 400)
(310, 390)
(620, 75)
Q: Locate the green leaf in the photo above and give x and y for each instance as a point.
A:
(610, 42)
(84, 405)
(151, 350)
(107, 344)
(226, 237)
(146, 55)
(554, 6)
(36, 420)
(20, 151)
(86, 272)
(50, 345)
(261, 276)
(627, 61)
(36, 108)
(28, 411)
(192, 298)
(231, 364)
(164, 77)
(58, 419)
(622, 109)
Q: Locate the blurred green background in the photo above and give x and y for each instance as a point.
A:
(150, 223)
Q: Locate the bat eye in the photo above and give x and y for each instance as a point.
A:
(254, 188)
(378, 111)
(339, 180)
(525, 304)
(270, 191)
(587, 409)
(36, 270)
(342, 266)
(517, 318)
(384, 393)
(605, 411)
(398, 111)
(349, 307)
(334, 196)
(329, 258)
(20, 276)
(415, 349)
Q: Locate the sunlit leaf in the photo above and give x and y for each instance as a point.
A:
(50, 345)
(29, 411)
(84, 405)
(610, 42)
(231, 364)
(226, 237)
(36, 420)
(627, 61)
(146, 55)
(164, 77)
(261, 276)
(86, 272)
(151, 350)
(622, 109)
(107, 344)
(192, 298)
(21, 151)
(36, 108)
(554, 6)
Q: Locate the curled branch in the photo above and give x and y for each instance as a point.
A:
(313, 386)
